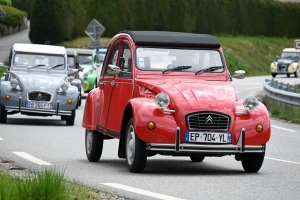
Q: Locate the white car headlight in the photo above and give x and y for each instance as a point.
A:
(162, 100)
(14, 83)
(251, 103)
(85, 74)
(64, 86)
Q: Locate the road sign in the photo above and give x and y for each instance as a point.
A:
(297, 44)
(94, 30)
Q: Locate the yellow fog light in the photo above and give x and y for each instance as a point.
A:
(151, 125)
(69, 101)
(7, 97)
(259, 128)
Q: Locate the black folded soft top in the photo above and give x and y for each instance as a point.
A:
(166, 38)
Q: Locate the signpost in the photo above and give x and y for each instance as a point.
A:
(94, 30)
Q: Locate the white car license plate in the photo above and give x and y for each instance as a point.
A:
(207, 137)
(36, 104)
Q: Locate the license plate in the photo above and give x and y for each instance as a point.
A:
(36, 104)
(207, 137)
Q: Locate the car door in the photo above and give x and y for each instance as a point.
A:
(105, 85)
(122, 90)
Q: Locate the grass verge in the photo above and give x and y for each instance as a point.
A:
(47, 185)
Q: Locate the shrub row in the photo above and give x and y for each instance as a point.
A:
(6, 2)
(65, 20)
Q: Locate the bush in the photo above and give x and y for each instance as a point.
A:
(2, 14)
(14, 17)
(5, 2)
(24, 5)
(51, 22)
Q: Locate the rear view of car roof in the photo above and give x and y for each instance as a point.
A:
(165, 38)
(39, 48)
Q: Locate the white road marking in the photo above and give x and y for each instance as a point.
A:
(283, 160)
(140, 191)
(1, 138)
(31, 158)
(283, 128)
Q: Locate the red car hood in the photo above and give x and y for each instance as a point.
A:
(195, 95)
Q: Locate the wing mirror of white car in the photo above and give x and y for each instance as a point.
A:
(113, 69)
(239, 74)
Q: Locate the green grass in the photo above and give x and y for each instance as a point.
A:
(282, 111)
(47, 185)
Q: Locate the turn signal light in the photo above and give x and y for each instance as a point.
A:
(7, 97)
(151, 125)
(259, 128)
(69, 101)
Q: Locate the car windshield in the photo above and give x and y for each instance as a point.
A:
(290, 55)
(38, 61)
(85, 59)
(185, 60)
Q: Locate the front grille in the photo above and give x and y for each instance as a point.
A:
(208, 121)
(39, 96)
(282, 67)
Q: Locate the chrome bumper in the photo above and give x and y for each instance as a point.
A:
(240, 147)
(36, 110)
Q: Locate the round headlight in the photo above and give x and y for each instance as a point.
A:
(64, 86)
(251, 103)
(85, 74)
(14, 83)
(162, 100)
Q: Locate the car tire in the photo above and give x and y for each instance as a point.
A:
(63, 117)
(197, 158)
(93, 145)
(79, 99)
(288, 75)
(297, 72)
(273, 75)
(252, 162)
(136, 155)
(71, 119)
(3, 114)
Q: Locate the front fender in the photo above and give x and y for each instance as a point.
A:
(249, 122)
(144, 111)
(293, 67)
(91, 109)
(89, 82)
(273, 66)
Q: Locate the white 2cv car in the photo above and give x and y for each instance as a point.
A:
(36, 83)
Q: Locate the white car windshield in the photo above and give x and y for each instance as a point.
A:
(186, 60)
(290, 55)
(39, 61)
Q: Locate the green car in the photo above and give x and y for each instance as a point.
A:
(88, 60)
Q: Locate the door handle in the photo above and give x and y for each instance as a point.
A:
(113, 83)
(101, 83)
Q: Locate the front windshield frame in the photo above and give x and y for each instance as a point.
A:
(163, 58)
(41, 62)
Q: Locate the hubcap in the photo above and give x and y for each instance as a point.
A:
(89, 141)
(130, 147)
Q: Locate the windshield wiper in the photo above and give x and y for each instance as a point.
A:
(35, 66)
(176, 68)
(55, 66)
(209, 69)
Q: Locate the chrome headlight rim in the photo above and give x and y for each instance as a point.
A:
(64, 87)
(14, 83)
(162, 100)
(251, 103)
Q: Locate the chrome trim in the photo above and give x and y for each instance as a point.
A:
(242, 113)
(166, 110)
(240, 147)
(177, 139)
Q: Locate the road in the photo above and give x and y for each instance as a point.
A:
(54, 145)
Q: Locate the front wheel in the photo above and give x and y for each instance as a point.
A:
(3, 114)
(252, 162)
(197, 158)
(136, 155)
(93, 145)
(71, 119)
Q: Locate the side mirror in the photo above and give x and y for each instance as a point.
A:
(239, 74)
(277, 56)
(113, 69)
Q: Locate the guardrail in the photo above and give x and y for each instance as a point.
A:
(282, 92)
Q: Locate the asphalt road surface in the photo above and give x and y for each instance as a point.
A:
(37, 143)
